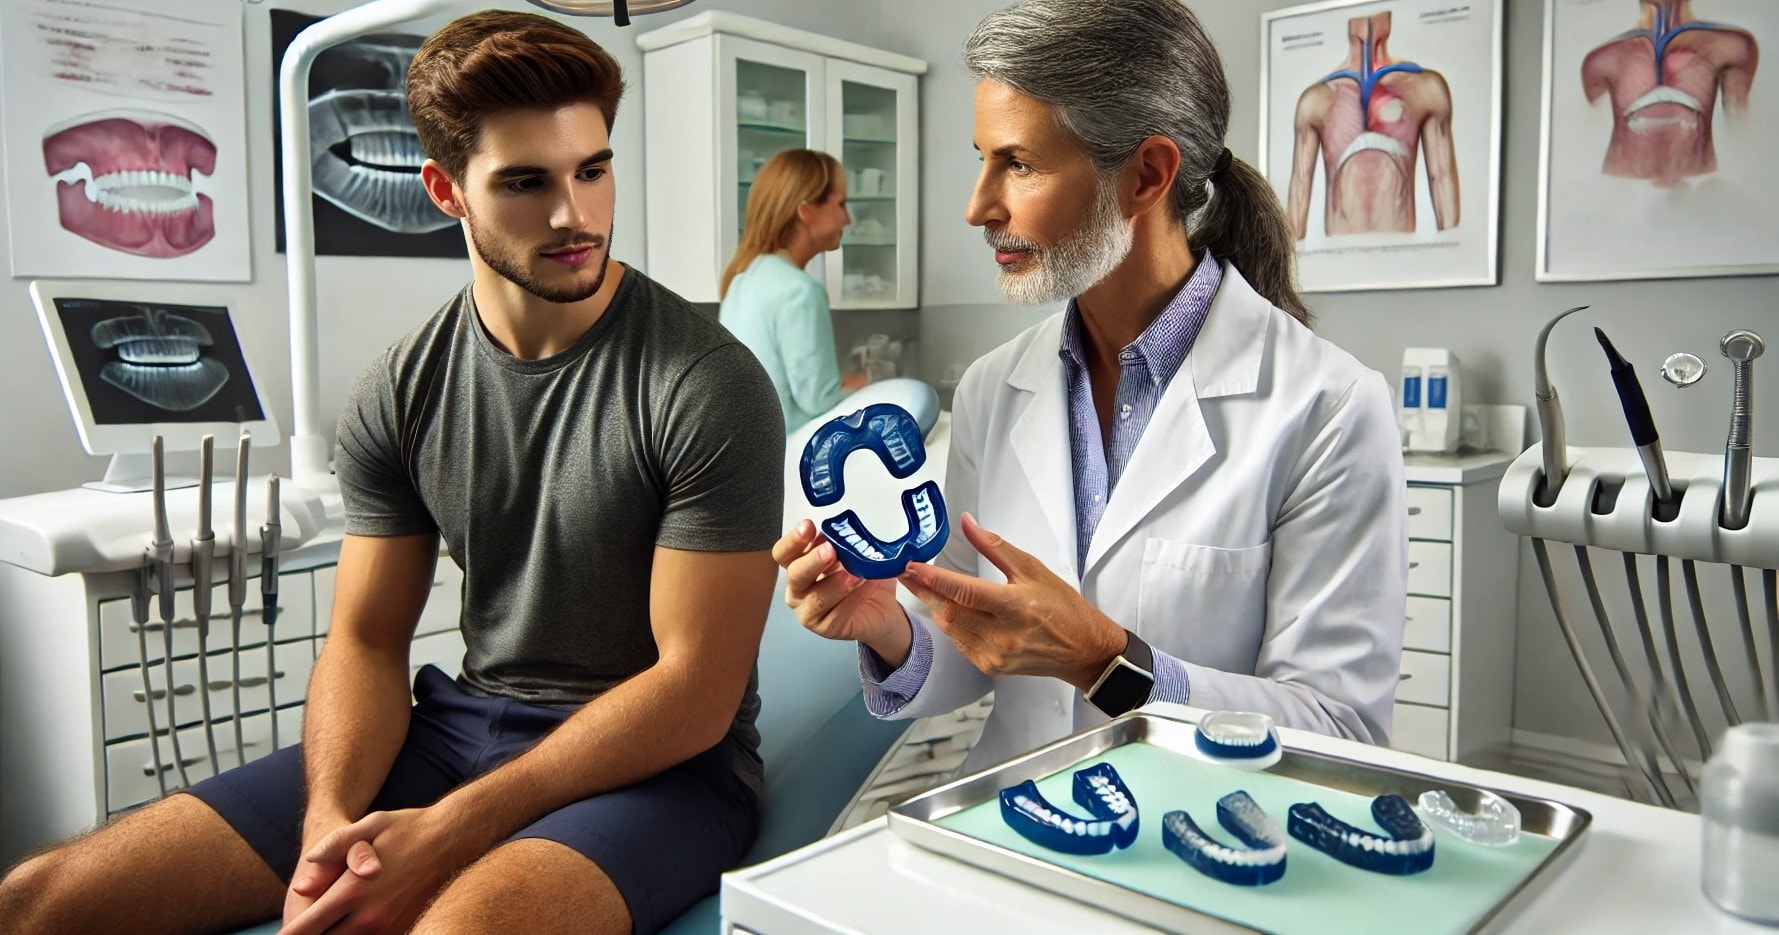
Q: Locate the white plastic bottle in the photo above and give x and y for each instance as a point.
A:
(1739, 805)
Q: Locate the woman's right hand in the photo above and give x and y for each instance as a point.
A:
(832, 602)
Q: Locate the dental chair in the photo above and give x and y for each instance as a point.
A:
(819, 743)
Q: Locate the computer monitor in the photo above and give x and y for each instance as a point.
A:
(140, 359)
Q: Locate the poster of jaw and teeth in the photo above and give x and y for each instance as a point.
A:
(1380, 130)
(1660, 128)
(126, 137)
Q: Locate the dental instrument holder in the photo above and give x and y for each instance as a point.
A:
(203, 552)
(164, 590)
(268, 593)
(1607, 502)
(238, 587)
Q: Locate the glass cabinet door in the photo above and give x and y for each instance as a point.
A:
(772, 100)
(872, 127)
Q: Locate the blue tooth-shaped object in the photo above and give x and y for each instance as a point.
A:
(1262, 861)
(867, 556)
(1024, 810)
(1236, 735)
(885, 428)
(1101, 791)
(1407, 850)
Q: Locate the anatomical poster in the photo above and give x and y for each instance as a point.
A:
(1660, 127)
(1380, 129)
(364, 156)
(126, 139)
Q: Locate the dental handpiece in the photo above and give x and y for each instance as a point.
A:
(203, 551)
(1550, 416)
(1741, 347)
(163, 559)
(270, 535)
(238, 585)
(1642, 423)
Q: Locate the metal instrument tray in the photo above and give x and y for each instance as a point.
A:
(1468, 885)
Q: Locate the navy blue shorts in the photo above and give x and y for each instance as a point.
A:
(664, 841)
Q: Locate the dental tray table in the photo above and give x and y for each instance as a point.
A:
(1467, 885)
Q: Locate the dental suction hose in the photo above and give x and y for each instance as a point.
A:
(1741, 347)
(1550, 418)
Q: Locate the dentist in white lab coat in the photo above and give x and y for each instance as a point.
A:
(1192, 497)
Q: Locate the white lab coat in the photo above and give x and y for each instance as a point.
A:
(1259, 532)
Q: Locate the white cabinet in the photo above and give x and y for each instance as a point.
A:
(722, 93)
(1456, 693)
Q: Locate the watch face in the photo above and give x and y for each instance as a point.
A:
(1127, 687)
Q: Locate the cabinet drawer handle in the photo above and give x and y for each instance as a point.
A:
(159, 693)
(251, 681)
(1413, 565)
(188, 623)
(1414, 511)
(148, 768)
(1406, 676)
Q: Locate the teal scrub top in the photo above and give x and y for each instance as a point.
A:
(781, 314)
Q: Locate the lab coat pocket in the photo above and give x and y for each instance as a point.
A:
(1210, 602)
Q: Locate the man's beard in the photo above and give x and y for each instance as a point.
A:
(1074, 264)
(512, 266)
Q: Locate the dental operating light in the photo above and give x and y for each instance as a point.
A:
(309, 444)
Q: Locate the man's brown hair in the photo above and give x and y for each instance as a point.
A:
(495, 61)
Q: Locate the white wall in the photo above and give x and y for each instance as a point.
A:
(365, 303)
(1491, 329)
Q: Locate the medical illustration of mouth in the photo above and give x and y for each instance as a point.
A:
(161, 359)
(364, 153)
(130, 180)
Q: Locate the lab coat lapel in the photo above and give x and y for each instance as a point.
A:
(1040, 439)
(1225, 360)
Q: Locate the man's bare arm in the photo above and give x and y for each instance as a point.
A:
(1441, 155)
(707, 610)
(357, 711)
(1307, 126)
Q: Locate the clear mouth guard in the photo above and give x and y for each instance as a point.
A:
(1242, 739)
(1496, 822)
(894, 436)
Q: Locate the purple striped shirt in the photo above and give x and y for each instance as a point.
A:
(1146, 366)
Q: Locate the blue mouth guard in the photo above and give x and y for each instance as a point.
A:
(1260, 862)
(894, 435)
(1099, 789)
(1236, 735)
(1407, 850)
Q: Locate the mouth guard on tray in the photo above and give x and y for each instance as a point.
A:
(890, 432)
(1238, 738)
(1495, 824)
(1260, 862)
(1025, 810)
(1407, 850)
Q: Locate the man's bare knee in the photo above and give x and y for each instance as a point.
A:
(26, 891)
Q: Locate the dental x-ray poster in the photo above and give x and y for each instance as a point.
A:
(1661, 122)
(126, 136)
(1380, 129)
(364, 155)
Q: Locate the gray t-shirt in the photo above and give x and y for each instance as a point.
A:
(551, 482)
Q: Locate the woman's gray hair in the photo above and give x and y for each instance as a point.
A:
(1116, 72)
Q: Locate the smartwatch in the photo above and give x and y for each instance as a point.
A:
(1127, 681)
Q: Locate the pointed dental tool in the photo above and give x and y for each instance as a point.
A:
(238, 585)
(163, 575)
(203, 552)
(1550, 417)
(1741, 347)
(1641, 422)
(270, 536)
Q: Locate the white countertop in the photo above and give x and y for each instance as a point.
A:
(1636, 869)
(1466, 468)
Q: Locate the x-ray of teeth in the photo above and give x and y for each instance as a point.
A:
(364, 155)
(160, 359)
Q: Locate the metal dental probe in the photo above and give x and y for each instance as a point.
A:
(1641, 422)
(203, 551)
(269, 536)
(1658, 694)
(1741, 347)
(1652, 770)
(1550, 417)
(1540, 552)
(163, 551)
(1689, 569)
(1664, 593)
(238, 584)
(139, 597)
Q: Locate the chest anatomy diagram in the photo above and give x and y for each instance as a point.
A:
(1663, 80)
(1365, 122)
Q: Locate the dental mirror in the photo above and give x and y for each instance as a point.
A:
(1683, 369)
